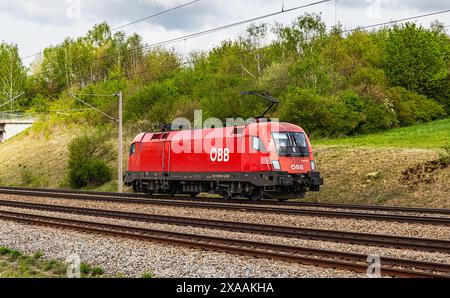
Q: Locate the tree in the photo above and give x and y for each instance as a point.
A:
(304, 30)
(418, 60)
(12, 73)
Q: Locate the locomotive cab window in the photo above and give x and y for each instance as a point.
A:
(258, 145)
(133, 149)
(291, 143)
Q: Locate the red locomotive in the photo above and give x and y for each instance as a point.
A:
(258, 160)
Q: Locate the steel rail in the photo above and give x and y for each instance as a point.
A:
(246, 208)
(433, 245)
(331, 259)
(243, 201)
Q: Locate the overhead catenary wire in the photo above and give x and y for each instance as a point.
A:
(94, 108)
(11, 100)
(204, 32)
(409, 18)
(155, 15)
(220, 28)
(133, 22)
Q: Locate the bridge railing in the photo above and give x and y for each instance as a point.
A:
(14, 116)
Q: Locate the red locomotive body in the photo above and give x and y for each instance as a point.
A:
(259, 160)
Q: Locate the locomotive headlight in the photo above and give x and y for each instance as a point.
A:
(313, 165)
(276, 165)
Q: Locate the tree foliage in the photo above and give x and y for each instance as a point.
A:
(330, 82)
(12, 74)
(418, 60)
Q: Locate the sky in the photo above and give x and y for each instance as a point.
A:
(36, 24)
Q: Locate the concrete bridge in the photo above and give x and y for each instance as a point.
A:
(11, 125)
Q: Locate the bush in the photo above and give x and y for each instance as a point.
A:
(378, 116)
(88, 161)
(91, 174)
(412, 108)
(348, 114)
(306, 108)
(444, 157)
(342, 115)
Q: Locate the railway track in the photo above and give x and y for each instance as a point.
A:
(223, 206)
(243, 201)
(433, 245)
(307, 256)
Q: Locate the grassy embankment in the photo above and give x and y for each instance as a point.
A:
(430, 135)
(397, 167)
(393, 168)
(38, 157)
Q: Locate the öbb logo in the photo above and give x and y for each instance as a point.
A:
(297, 167)
(220, 155)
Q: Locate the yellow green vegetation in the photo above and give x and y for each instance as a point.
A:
(330, 81)
(14, 264)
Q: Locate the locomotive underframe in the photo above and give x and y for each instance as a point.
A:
(274, 185)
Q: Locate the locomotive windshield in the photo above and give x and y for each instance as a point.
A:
(291, 143)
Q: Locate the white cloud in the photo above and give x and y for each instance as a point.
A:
(428, 5)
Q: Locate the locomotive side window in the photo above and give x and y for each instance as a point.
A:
(133, 149)
(258, 145)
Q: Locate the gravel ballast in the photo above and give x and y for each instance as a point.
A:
(335, 224)
(132, 258)
(365, 250)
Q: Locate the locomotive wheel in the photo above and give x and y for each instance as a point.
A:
(255, 196)
(226, 195)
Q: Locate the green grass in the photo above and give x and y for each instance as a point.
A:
(148, 275)
(14, 264)
(428, 135)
